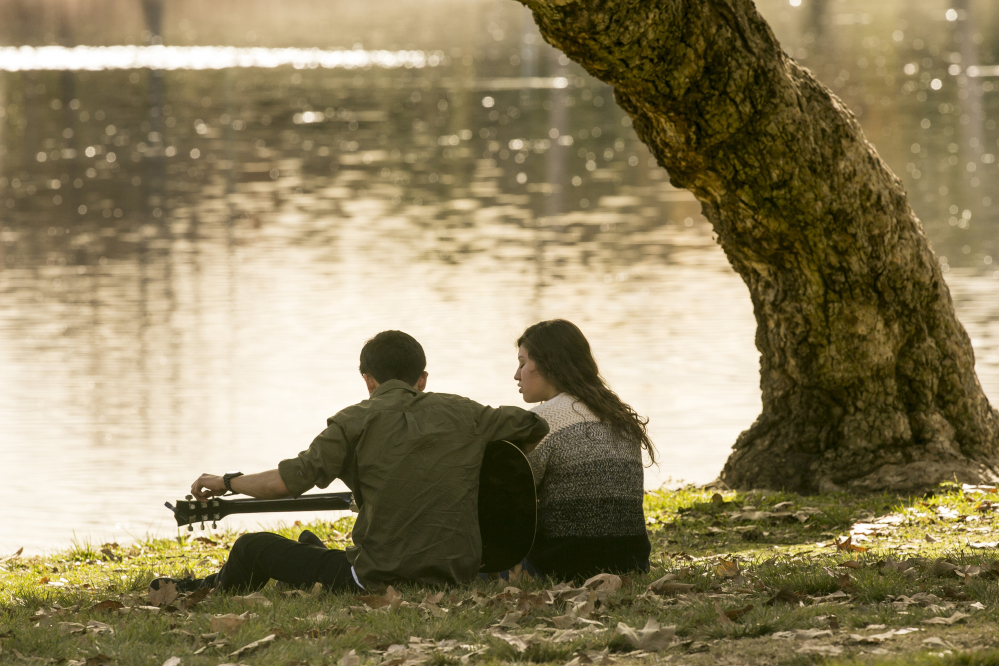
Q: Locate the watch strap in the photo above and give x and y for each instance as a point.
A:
(227, 480)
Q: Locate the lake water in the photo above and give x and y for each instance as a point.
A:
(195, 243)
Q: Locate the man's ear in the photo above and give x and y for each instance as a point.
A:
(371, 383)
(421, 383)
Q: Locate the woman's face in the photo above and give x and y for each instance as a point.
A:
(533, 386)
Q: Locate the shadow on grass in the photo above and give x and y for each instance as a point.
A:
(688, 521)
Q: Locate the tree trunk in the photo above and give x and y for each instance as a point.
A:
(867, 377)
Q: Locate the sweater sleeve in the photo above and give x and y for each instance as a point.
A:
(539, 460)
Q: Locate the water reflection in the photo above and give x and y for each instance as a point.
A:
(191, 259)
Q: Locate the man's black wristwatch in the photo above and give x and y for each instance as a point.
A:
(227, 479)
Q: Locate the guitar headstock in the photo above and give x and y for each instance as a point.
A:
(190, 511)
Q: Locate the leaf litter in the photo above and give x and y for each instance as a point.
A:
(707, 600)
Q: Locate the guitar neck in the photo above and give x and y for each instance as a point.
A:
(318, 502)
(188, 512)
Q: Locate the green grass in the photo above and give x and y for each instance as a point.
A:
(776, 575)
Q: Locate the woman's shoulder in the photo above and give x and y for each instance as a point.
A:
(564, 410)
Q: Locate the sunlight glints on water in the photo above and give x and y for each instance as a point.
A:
(97, 58)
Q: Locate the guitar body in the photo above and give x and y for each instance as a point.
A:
(507, 507)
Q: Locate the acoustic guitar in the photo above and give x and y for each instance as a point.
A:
(507, 507)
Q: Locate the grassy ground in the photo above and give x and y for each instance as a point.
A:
(757, 578)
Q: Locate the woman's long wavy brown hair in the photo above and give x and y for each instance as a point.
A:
(563, 357)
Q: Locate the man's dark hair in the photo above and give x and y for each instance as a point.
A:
(393, 355)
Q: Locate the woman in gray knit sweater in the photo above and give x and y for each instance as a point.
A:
(588, 469)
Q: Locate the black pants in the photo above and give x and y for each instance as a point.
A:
(258, 557)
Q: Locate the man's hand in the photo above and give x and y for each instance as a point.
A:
(262, 485)
(208, 486)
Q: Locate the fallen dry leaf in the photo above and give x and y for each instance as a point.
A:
(668, 585)
(723, 619)
(820, 648)
(846, 583)
(954, 593)
(787, 596)
(350, 659)
(518, 643)
(735, 613)
(727, 568)
(956, 617)
(165, 595)
(604, 582)
(812, 634)
(433, 609)
(599, 658)
(172, 661)
(872, 638)
(518, 574)
(256, 599)
(510, 620)
(527, 601)
(227, 624)
(602, 658)
(250, 647)
(108, 605)
(391, 599)
(966, 573)
(580, 660)
(983, 545)
(802, 634)
(191, 600)
(71, 628)
(584, 604)
(848, 545)
(850, 564)
(217, 643)
(96, 660)
(563, 621)
(942, 567)
(650, 637)
(95, 627)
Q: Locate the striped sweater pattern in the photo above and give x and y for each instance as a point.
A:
(589, 478)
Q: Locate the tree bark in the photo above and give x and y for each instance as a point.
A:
(867, 377)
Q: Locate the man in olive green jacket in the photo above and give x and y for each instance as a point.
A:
(412, 460)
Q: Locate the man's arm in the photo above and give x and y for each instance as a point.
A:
(263, 485)
(520, 427)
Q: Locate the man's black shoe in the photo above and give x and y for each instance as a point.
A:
(184, 585)
(311, 539)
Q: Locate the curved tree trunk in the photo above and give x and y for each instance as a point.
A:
(867, 377)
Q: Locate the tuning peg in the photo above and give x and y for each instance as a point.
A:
(189, 497)
(190, 528)
(202, 526)
(214, 525)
